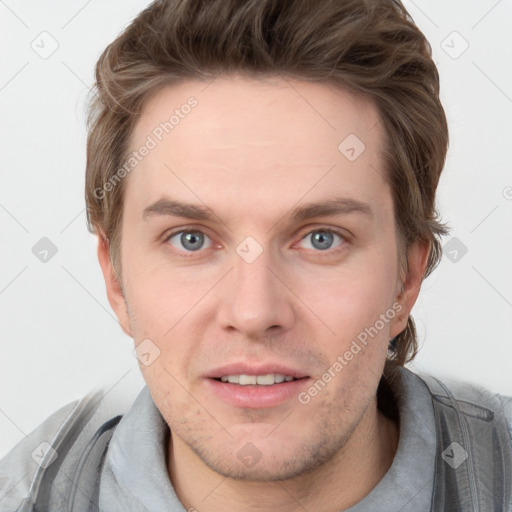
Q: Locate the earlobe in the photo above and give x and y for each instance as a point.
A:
(113, 286)
(417, 260)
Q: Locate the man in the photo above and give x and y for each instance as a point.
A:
(261, 176)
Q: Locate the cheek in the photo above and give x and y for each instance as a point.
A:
(348, 301)
(160, 296)
(154, 310)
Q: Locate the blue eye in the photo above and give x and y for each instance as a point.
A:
(322, 239)
(190, 241)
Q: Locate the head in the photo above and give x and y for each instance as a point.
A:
(261, 176)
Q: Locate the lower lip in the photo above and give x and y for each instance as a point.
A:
(256, 397)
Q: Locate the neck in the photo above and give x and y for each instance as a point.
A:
(339, 484)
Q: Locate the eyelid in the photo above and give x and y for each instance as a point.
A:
(187, 229)
(337, 231)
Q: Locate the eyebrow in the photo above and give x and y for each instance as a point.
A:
(328, 208)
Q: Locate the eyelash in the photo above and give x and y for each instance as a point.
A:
(189, 254)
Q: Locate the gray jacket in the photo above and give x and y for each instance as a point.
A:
(454, 454)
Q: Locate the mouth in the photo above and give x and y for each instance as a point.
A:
(250, 387)
(268, 379)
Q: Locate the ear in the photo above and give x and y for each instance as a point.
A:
(114, 290)
(409, 288)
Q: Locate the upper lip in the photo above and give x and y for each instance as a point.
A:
(245, 368)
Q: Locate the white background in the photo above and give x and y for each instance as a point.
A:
(59, 338)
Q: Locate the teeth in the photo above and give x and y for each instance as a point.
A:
(262, 380)
(245, 380)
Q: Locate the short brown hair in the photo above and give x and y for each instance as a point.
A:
(369, 47)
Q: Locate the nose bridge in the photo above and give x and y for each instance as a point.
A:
(255, 299)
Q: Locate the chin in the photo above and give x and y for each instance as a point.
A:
(266, 461)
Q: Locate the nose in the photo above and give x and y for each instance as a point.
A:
(256, 300)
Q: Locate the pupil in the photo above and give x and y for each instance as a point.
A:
(189, 239)
(322, 240)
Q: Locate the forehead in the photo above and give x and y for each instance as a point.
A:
(265, 108)
(273, 138)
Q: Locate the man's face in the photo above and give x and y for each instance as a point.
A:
(258, 288)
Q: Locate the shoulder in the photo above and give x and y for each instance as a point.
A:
(472, 400)
(55, 443)
(35, 452)
(467, 394)
(506, 403)
(474, 424)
